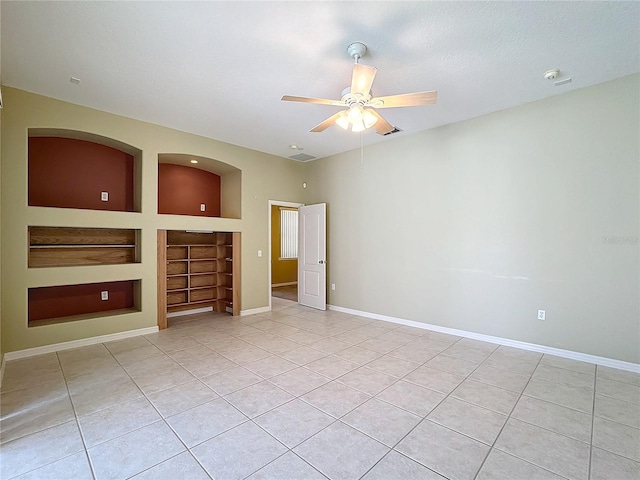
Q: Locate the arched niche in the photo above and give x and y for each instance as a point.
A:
(192, 184)
(74, 169)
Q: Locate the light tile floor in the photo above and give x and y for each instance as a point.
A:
(302, 394)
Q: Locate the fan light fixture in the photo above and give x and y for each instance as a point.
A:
(361, 106)
(356, 119)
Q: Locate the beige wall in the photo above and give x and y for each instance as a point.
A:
(472, 226)
(263, 177)
(282, 271)
(479, 224)
(1, 247)
(1, 349)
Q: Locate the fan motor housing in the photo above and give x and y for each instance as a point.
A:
(349, 99)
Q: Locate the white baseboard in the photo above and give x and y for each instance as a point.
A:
(254, 311)
(583, 357)
(286, 284)
(83, 342)
(189, 312)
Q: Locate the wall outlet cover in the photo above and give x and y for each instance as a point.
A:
(104, 295)
(104, 196)
(542, 315)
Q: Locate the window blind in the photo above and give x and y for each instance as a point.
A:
(288, 233)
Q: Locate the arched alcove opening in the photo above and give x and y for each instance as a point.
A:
(73, 169)
(199, 186)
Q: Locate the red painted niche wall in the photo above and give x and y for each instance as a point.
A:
(70, 173)
(68, 300)
(181, 191)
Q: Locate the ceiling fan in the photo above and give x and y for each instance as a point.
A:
(361, 105)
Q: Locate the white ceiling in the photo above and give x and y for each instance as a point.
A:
(219, 69)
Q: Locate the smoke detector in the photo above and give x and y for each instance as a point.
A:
(552, 74)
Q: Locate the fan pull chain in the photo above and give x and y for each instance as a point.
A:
(361, 149)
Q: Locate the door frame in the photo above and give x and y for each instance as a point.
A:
(279, 203)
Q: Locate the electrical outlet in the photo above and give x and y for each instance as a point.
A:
(104, 196)
(104, 295)
(259, 253)
(542, 315)
(333, 286)
(203, 207)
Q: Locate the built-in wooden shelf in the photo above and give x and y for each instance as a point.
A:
(70, 246)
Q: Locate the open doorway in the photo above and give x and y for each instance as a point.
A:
(283, 256)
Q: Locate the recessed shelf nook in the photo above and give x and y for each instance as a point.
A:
(210, 189)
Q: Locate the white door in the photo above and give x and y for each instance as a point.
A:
(312, 256)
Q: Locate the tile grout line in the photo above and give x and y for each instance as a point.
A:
(440, 403)
(157, 411)
(522, 394)
(187, 449)
(338, 419)
(393, 448)
(288, 450)
(330, 380)
(593, 416)
(80, 431)
(75, 414)
(120, 403)
(263, 413)
(557, 404)
(492, 446)
(84, 450)
(273, 353)
(144, 395)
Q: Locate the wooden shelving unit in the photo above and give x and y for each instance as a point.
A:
(67, 246)
(198, 270)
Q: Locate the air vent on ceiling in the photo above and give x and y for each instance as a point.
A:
(395, 130)
(302, 157)
(562, 82)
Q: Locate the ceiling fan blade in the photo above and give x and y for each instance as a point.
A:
(321, 101)
(405, 100)
(327, 123)
(381, 126)
(362, 78)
